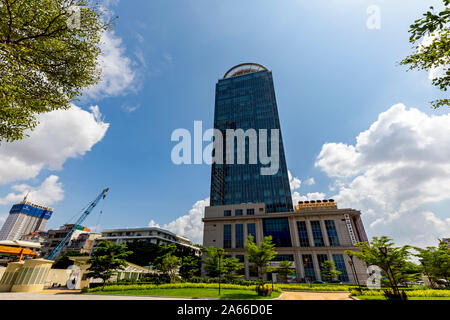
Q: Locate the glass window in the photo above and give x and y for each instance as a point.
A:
(239, 234)
(278, 228)
(284, 257)
(321, 258)
(250, 212)
(227, 236)
(332, 233)
(317, 234)
(251, 230)
(308, 265)
(340, 265)
(303, 234)
(238, 212)
(227, 213)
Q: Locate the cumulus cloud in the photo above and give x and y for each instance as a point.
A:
(294, 182)
(395, 169)
(296, 196)
(310, 181)
(60, 135)
(118, 75)
(189, 225)
(49, 192)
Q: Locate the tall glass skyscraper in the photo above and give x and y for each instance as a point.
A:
(245, 99)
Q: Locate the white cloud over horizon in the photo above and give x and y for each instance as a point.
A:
(48, 193)
(396, 168)
(189, 225)
(60, 135)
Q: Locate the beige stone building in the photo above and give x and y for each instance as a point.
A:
(316, 231)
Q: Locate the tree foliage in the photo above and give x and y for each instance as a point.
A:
(168, 265)
(284, 270)
(435, 263)
(261, 256)
(107, 258)
(393, 264)
(328, 271)
(435, 27)
(49, 53)
(228, 266)
(63, 262)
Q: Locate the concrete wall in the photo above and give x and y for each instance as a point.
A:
(2, 270)
(57, 277)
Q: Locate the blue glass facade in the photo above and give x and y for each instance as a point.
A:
(317, 234)
(251, 230)
(332, 233)
(303, 234)
(308, 265)
(278, 228)
(248, 102)
(227, 236)
(239, 235)
(340, 265)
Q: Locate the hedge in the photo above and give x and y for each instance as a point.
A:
(173, 286)
(410, 293)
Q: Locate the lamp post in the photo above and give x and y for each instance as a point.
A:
(352, 265)
(220, 253)
(384, 252)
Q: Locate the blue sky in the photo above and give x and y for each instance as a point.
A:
(333, 78)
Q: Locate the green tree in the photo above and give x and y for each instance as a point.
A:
(435, 263)
(107, 258)
(144, 253)
(49, 52)
(190, 267)
(284, 270)
(261, 256)
(168, 265)
(328, 271)
(436, 54)
(391, 260)
(63, 262)
(228, 266)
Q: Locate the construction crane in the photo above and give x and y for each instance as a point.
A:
(77, 224)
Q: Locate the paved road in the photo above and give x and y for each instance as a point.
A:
(309, 295)
(71, 296)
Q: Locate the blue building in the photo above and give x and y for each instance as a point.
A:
(245, 99)
(24, 218)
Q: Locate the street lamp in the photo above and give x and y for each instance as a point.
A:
(352, 265)
(220, 253)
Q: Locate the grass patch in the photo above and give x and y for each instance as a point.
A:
(429, 293)
(191, 293)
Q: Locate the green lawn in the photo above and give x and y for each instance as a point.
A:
(409, 298)
(192, 293)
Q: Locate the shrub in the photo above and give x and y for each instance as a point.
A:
(410, 293)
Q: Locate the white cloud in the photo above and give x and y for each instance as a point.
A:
(396, 168)
(118, 75)
(49, 192)
(3, 218)
(190, 225)
(310, 181)
(296, 197)
(61, 134)
(294, 182)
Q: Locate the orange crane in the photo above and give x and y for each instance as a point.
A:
(17, 251)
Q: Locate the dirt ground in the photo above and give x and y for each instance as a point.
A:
(310, 295)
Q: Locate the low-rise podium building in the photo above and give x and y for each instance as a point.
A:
(315, 232)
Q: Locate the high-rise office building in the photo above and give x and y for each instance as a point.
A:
(24, 218)
(246, 202)
(245, 99)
